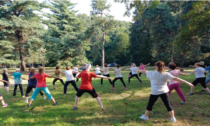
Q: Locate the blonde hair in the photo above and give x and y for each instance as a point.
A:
(202, 63)
(32, 70)
(17, 69)
(198, 64)
(160, 65)
(5, 69)
(133, 64)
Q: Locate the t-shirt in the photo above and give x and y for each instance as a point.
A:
(5, 76)
(200, 72)
(118, 73)
(208, 69)
(75, 69)
(32, 82)
(133, 70)
(106, 70)
(159, 81)
(86, 83)
(17, 77)
(142, 67)
(97, 70)
(41, 79)
(175, 73)
(69, 75)
(58, 73)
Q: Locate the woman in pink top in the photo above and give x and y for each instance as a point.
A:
(173, 84)
(42, 86)
(142, 67)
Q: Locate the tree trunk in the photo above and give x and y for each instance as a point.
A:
(102, 51)
(80, 60)
(182, 60)
(172, 57)
(22, 65)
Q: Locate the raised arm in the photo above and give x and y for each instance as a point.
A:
(182, 81)
(147, 64)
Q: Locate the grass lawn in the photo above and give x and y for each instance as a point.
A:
(123, 107)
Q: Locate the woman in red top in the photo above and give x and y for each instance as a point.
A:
(86, 85)
(41, 86)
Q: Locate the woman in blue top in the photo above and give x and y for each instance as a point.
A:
(18, 82)
(32, 84)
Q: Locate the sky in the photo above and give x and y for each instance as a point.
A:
(117, 9)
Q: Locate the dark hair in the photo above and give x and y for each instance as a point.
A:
(57, 67)
(41, 70)
(172, 65)
(160, 65)
(68, 67)
(118, 65)
(105, 64)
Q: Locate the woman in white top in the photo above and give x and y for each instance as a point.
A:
(117, 72)
(105, 69)
(76, 70)
(200, 78)
(69, 79)
(97, 70)
(159, 88)
(133, 69)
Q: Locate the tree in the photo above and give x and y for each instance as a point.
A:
(20, 25)
(99, 8)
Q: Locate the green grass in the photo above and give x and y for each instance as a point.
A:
(123, 107)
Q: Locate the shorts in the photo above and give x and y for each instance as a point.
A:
(201, 81)
(91, 92)
(5, 84)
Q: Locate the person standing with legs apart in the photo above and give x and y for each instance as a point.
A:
(200, 78)
(5, 78)
(142, 67)
(1, 97)
(105, 69)
(174, 84)
(70, 79)
(41, 86)
(18, 82)
(58, 75)
(32, 84)
(86, 86)
(134, 73)
(160, 89)
(118, 75)
(76, 70)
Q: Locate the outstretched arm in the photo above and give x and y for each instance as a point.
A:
(182, 81)
(184, 74)
(23, 78)
(147, 64)
(5, 81)
(54, 77)
(141, 71)
(104, 77)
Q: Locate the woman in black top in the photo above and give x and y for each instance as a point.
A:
(5, 77)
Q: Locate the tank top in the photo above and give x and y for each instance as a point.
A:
(57, 73)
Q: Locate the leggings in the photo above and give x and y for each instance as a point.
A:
(37, 91)
(134, 75)
(73, 83)
(200, 80)
(107, 75)
(176, 86)
(15, 89)
(59, 80)
(165, 99)
(29, 88)
(74, 74)
(121, 79)
(140, 74)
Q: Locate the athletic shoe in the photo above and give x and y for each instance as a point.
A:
(173, 119)
(191, 94)
(44, 98)
(55, 103)
(23, 96)
(74, 108)
(28, 105)
(202, 91)
(26, 101)
(64, 94)
(5, 105)
(126, 88)
(143, 117)
(112, 88)
(183, 102)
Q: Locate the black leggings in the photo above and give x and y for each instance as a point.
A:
(121, 79)
(140, 74)
(29, 88)
(59, 80)
(165, 99)
(200, 80)
(107, 75)
(74, 74)
(134, 75)
(15, 89)
(73, 83)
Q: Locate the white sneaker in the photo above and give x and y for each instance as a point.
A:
(26, 101)
(183, 102)
(23, 96)
(44, 98)
(143, 117)
(173, 119)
